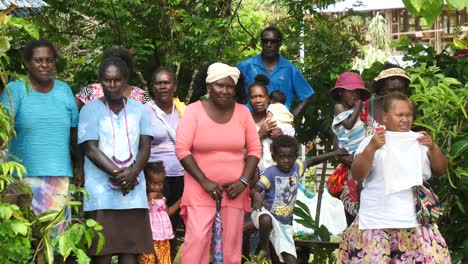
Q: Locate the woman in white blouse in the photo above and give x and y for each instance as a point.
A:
(386, 229)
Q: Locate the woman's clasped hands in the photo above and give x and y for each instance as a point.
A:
(126, 178)
(216, 190)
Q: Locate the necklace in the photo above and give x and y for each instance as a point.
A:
(114, 159)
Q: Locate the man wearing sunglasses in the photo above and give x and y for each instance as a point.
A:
(283, 75)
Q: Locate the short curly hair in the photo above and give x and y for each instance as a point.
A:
(122, 53)
(156, 167)
(38, 43)
(284, 141)
(160, 70)
(113, 61)
(274, 30)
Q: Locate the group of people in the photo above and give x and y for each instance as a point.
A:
(149, 161)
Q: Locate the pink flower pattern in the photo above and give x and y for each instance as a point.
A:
(423, 244)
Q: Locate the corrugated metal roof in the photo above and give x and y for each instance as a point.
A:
(363, 5)
(31, 7)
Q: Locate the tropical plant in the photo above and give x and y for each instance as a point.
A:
(73, 241)
(15, 235)
(256, 259)
(431, 9)
(378, 46)
(441, 104)
(321, 255)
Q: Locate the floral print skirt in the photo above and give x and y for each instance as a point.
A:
(423, 244)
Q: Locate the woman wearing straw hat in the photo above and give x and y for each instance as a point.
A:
(391, 78)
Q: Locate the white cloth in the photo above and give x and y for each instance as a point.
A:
(218, 70)
(280, 113)
(379, 210)
(267, 160)
(332, 212)
(405, 154)
(281, 236)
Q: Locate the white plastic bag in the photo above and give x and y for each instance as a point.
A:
(332, 214)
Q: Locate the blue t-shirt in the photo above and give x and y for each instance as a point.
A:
(281, 191)
(95, 124)
(42, 124)
(285, 77)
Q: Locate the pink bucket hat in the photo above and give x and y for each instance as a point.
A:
(350, 81)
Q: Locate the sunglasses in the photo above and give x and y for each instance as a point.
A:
(271, 41)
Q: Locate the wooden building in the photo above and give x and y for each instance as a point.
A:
(450, 24)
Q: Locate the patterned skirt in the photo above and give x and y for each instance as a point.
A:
(50, 193)
(423, 244)
(350, 195)
(162, 253)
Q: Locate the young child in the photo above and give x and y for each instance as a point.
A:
(275, 194)
(280, 114)
(349, 93)
(159, 215)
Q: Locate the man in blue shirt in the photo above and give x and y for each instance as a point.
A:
(283, 75)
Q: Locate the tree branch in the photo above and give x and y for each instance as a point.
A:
(221, 41)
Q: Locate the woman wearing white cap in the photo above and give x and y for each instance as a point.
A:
(218, 145)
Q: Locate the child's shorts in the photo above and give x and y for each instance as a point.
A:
(281, 235)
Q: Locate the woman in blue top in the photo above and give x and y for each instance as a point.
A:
(115, 135)
(45, 120)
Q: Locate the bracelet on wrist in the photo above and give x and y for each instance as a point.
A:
(244, 180)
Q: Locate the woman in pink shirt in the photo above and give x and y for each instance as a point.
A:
(218, 145)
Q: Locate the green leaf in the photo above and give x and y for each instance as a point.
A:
(458, 4)
(64, 249)
(323, 233)
(88, 235)
(300, 213)
(306, 223)
(303, 206)
(47, 216)
(48, 250)
(5, 211)
(82, 257)
(459, 147)
(98, 228)
(101, 242)
(19, 228)
(431, 10)
(24, 24)
(91, 222)
(414, 6)
(459, 204)
(4, 44)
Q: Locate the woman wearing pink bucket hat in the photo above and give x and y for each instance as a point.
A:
(349, 94)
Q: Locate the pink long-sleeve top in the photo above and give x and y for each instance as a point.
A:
(218, 149)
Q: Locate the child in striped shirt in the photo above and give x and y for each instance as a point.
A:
(349, 93)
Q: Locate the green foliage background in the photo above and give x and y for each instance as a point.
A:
(183, 35)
